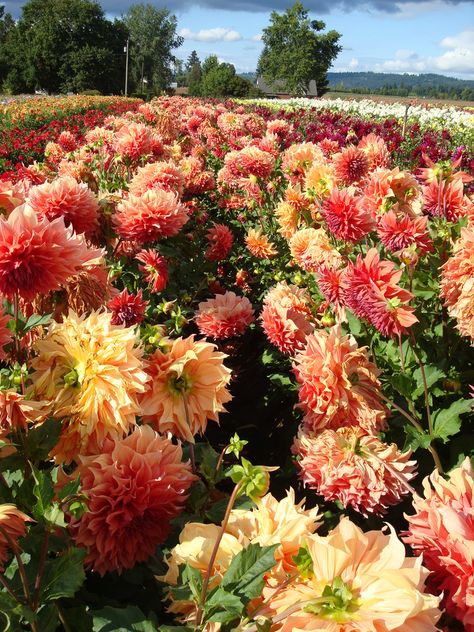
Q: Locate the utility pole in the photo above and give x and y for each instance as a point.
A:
(125, 50)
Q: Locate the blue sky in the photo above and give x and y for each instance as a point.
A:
(379, 35)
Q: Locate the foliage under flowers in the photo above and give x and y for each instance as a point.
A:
(293, 278)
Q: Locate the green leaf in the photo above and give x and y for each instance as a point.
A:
(43, 491)
(432, 374)
(446, 422)
(415, 439)
(35, 320)
(403, 384)
(282, 380)
(64, 575)
(130, 619)
(70, 489)
(223, 607)
(41, 439)
(268, 357)
(355, 326)
(244, 576)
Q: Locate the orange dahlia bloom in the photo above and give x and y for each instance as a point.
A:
(287, 217)
(353, 467)
(196, 179)
(66, 198)
(154, 215)
(220, 240)
(11, 196)
(16, 412)
(376, 150)
(157, 175)
(224, 316)
(286, 317)
(338, 383)
(320, 180)
(442, 530)
(351, 165)
(12, 527)
(133, 140)
(360, 582)
(345, 215)
(134, 486)
(310, 248)
(36, 255)
(332, 286)
(91, 373)
(386, 188)
(457, 282)
(298, 159)
(259, 245)
(188, 386)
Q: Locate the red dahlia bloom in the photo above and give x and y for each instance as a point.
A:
(220, 240)
(156, 268)
(127, 309)
(345, 215)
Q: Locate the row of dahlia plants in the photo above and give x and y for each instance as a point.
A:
(235, 380)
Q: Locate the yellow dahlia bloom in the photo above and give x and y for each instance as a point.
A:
(360, 582)
(91, 372)
(188, 386)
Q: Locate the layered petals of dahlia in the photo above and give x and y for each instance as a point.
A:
(91, 373)
(133, 140)
(339, 385)
(385, 188)
(259, 245)
(310, 248)
(69, 199)
(442, 531)
(351, 165)
(188, 387)
(17, 412)
(287, 217)
(397, 232)
(345, 215)
(12, 528)
(155, 268)
(332, 286)
(157, 175)
(376, 150)
(250, 161)
(286, 317)
(135, 486)
(457, 282)
(5, 334)
(320, 180)
(360, 582)
(298, 159)
(11, 196)
(127, 309)
(446, 199)
(224, 316)
(220, 240)
(353, 467)
(38, 255)
(154, 215)
(372, 293)
(67, 141)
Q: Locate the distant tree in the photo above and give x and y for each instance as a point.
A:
(7, 25)
(153, 38)
(296, 51)
(193, 74)
(220, 80)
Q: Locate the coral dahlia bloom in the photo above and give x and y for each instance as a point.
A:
(386, 187)
(12, 523)
(224, 316)
(457, 282)
(372, 293)
(445, 199)
(16, 412)
(338, 383)
(351, 165)
(250, 161)
(442, 530)
(69, 199)
(287, 217)
(154, 215)
(353, 467)
(11, 196)
(220, 240)
(188, 386)
(127, 309)
(286, 318)
(133, 140)
(259, 245)
(345, 215)
(91, 372)
(155, 268)
(376, 150)
(310, 248)
(157, 175)
(36, 255)
(361, 582)
(397, 232)
(134, 486)
(5, 334)
(332, 286)
(67, 141)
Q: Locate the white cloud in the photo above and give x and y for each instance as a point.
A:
(257, 38)
(218, 34)
(354, 63)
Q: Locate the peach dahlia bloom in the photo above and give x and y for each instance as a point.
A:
(286, 317)
(134, 486)
(12, 524)
(90, 371)
(351, 165)
(11, 196)
(188, 386)
(38, 255)
(154, 215)
(310, 248)
(356, 468)
(224, 316)
(442, 530)
(220, 240)
(157, 175)
(361, 582)
(287, 217)
(338, 383)
(376, 150)
(259, 245)
(298, 159)
(69, 199)
(133, 140)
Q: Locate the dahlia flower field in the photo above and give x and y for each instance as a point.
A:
(236, 373)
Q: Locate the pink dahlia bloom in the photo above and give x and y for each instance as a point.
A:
(353, 467)
(36, 255)
(372, 293)
(345, 215)
(155, 268)
(157, 175)
(376, 150)
(442, 530)
(66, 198)
(286, 317)
(224, 316)
(154, 215)
(446, 199)
(220, 240)
(332, 286)
(397, 232)
(5, 334)
(11, 196)
(250, 161)
(135, 486)
(127, 309)
(338, 383)
(351, 165)
(133, 140)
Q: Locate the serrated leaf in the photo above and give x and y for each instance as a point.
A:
(43, 491)
(223, 607)
(403, 384)
(415, 439)
(70, 488)
(64, 575)
(446, 422)
(130, 619)
(432, 374)
(244, 576)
